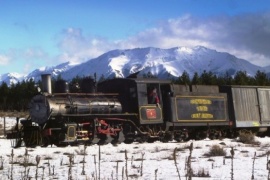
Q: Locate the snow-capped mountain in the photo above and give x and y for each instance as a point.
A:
(11, 78)
(53, 70)
(160, 62)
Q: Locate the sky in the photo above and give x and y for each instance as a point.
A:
(35, 34)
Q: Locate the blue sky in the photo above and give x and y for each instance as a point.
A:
(36, 33)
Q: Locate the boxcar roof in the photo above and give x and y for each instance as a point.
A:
(139, 80)
(244, 86)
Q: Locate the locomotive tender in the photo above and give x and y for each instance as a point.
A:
(121, 110)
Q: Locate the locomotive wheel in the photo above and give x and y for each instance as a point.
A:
(128, 141)
(232, 134)
(129, 134)
(178, 139)
(201, 135)
(129, 138)
(151, 140)
(167, 137)
(178, 136)
(60, 144)
(143, 138)
(46, 142)
(115, 139)
(102, 139)
(74, 143)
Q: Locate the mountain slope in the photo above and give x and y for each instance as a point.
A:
(160, 62)
(11, 78)
(53, 70)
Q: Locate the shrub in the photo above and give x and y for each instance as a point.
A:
(202, 173)
(216, 150)
(246, 137)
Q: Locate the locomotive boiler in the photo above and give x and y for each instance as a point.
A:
(63, 118)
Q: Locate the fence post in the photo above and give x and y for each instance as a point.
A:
(4, 126)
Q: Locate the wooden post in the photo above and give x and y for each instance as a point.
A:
(17, 124)
(4, 126)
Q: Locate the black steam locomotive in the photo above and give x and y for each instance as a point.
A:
(126, 110)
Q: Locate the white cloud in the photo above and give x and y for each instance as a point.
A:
(25, 59)
(76, 47)
(4, 60)
(34, 53)
(246, 36)
(32, 58)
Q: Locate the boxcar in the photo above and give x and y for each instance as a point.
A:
(248, 105)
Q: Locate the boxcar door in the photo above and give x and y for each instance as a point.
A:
(264, 103)
(246, 107)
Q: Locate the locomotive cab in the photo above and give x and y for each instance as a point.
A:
(144, 99)
(139, 96)
(150, 101)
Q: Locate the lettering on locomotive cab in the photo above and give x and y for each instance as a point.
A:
(202, 115)
(200, 101)
(200, 108)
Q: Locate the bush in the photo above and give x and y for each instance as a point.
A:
(246, 137)
(216, 150)
(202, 173)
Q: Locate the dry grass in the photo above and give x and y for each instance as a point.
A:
(246, 137)
(136, 167)
(216, 150)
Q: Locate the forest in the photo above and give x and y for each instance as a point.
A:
(16, 97)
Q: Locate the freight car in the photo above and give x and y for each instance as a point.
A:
(248, 108)
(137, 109)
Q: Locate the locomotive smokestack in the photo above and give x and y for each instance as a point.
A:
(46, 83)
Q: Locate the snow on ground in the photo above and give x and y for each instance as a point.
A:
(143, 161)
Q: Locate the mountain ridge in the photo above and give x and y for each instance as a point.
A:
(159, 62)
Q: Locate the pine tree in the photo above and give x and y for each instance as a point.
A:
(196, 79)
(241, 78)
(183, 79)
(261, 79)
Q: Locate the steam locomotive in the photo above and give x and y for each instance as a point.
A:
(118, 110)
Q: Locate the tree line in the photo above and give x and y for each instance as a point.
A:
(209, 78)
(17, 96)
